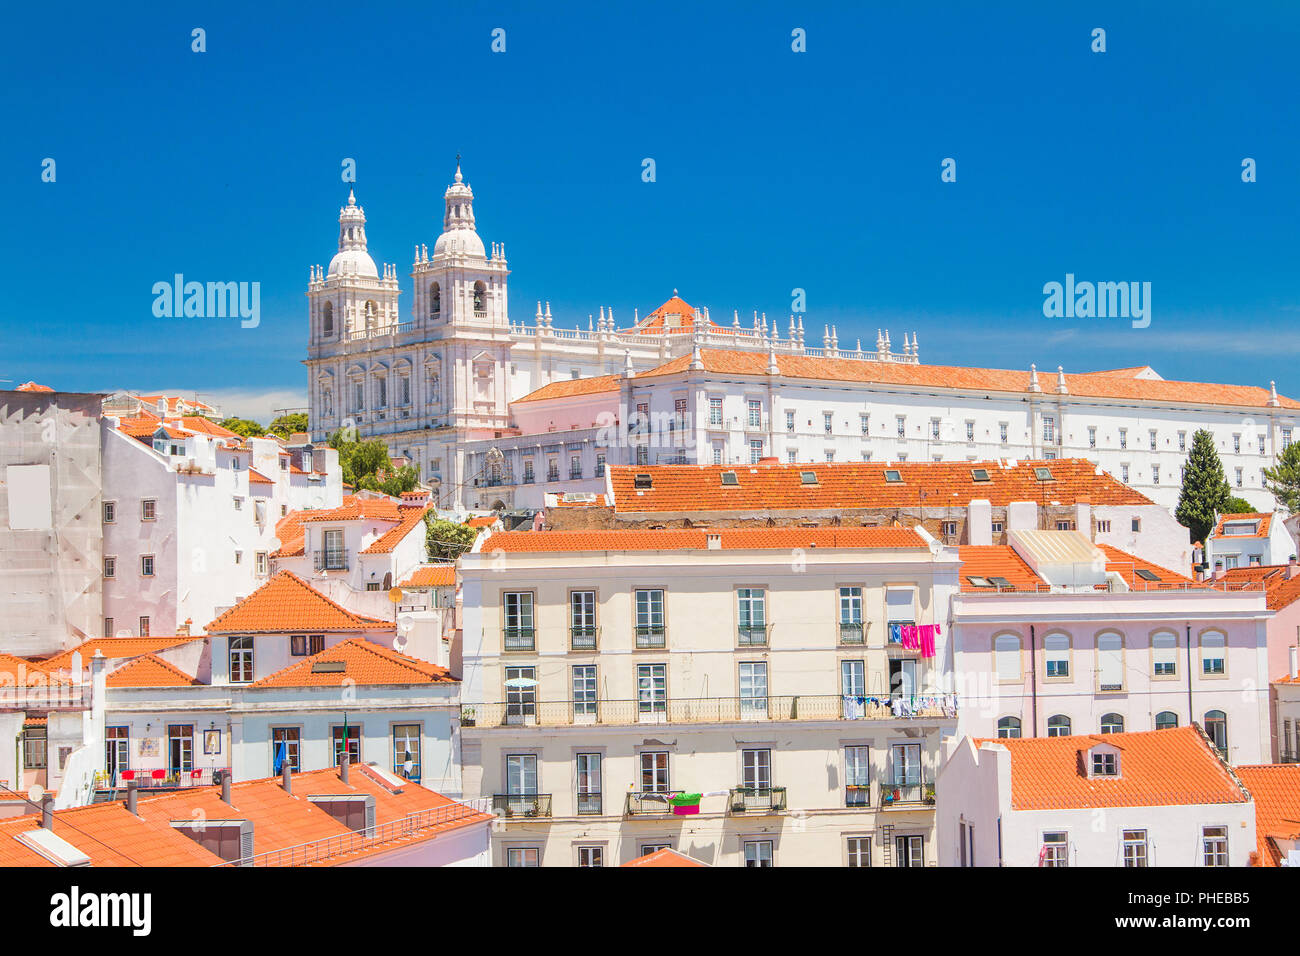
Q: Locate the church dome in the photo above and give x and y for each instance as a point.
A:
(352, 258)
(354, 262)
(465, 242)
(458, 233)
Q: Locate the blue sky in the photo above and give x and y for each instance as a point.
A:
(775, 170)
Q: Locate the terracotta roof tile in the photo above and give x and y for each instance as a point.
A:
(1001, 560)
(665, 857)
(676, 316)
(288, 604)
(1157, 768)
(256, 477)
(697, 539)
(364, 663)
(412, 517)
(432, 576)
(289, 532)
(114, 648)
(1276, 789)
(772, 487)
(572, 388)
(945, 377)
(355, 507)
(1261, 529)
(149, 671)
(32, 387)
(481, 521)
(1282, 591)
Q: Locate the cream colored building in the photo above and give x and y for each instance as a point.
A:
(605, 671)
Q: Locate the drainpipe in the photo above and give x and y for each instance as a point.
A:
(1191, 713)
(131, 797)
(1033, 680)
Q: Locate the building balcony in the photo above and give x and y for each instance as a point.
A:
(857, 795)
(852, 633)
(575, 474)
(521, 805)
(651, 636)
(519, 638)
(907, 793)
(753, 635)
(330, 561)
(705, 710)
(650, 804)
(583, 637)
(1288, 756)
(590, 804)
(155, 779)
(757, 800)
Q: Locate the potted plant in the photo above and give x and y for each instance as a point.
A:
(467, 716)
(929, 794)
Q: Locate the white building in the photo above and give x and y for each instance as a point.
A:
(189, 515)
(1159, 798)
(475, 397)
(1246, 540)
(1054, 635)
(757, 676)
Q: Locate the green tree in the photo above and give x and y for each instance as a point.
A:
(392, 482)
(360, 461)
(1236, 506)
(1283, 480)
(286, 425)
(447, 540)
(1205, 492)
(244, 427)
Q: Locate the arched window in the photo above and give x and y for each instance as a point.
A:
(1009, 727)
(1216, 728)
(435, 300)
(1112, 724)
(480, 298)
(1006, 650)
(1058, 726)
(327, 323)
(1166, 720)
(1110, 662)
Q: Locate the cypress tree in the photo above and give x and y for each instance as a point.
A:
(1284, 479)
(1205, 491)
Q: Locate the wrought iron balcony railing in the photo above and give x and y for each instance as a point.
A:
(651, 635)
(650, 803)
(852, 633)
(706, 710)
(519, 638)
(330, 561)
(907, 792)
(512, 805)
(751, 635)
(590, 804)
(757, 799)
(583, 637)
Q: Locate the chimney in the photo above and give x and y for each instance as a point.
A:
(131, 797)
(1292, 568)
(714, 541)
(225, 787)
(344, 760)
(183, 630)
(47, 812)
(1219, 573)
(286, 778)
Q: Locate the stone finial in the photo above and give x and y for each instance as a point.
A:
(1060, 381)
(628, 370)
(1272, 395)
(1033, 379)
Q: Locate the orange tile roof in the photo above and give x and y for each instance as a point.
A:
(1127, 565)
(665, 857)
(481, 521)
(858, 485)
(945, 377)
(115, 647)
(34, 673)
(562, 500)
(996, 560)
(572, 388)
(1276, 789)
(364, 663)
(112, 836)
(149, 671)
(255, 476)
(1261, 530)
(290, 533)
(674, 316)
(355, 507)
(288, 604)
(432, 576)
(412, 517)
(732, 539)
(206, 426)
(32, 387)
(1158, 768)
(1282, 591)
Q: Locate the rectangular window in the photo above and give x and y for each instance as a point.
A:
(1236, 443)
(970, 431)
(753, 690)
(521, 695)
(146, 565)
(1092, 436)
(756, 771)
(857, 776)
(180, 748)
(110, 567)
(1135, 847)
(291, 739)
(652, 689)
(905, 763)
(148, 509)
(1182, 441)
(934, 428)
(110, 512)
(1155, 474)
(260, 562)
(902, 426)
(864, 421)
(755, 452)
(1261, 444)
(406, 751)
(143, 626)
(584, 690)
(1214, 842)
(1103, 526)
(1239, 477)
(1002, 432)
(851, 630)
(853, 680)
(301, 645)
(589, 785)
(789, 421)
(349, 736)
(755, 413)
(828, 422)
(117, 750)
(582, 620)
(1056, 648)
(654, 771)
(1055, 850)
(1151, 440)
(35, 748)
(859, 851)
(523, 856)
(1123, 438)
(1049, 430)
(715, 411)
(591, 856)
(519, 633)
(909, 851)
(1123, 473)
(108, 627)
(751, 615)
(1212, 655)
(650, 631)
(241, 659)
(758, 853)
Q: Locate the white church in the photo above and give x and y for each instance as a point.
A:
(496, 412)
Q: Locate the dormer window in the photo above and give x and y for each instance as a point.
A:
(1105, 764)
(893, 475)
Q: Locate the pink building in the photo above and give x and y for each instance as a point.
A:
(1055, 636)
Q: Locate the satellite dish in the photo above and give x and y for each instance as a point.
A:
(395, 595)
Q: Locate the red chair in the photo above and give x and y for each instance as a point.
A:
(159, 774)
(126, 774)
(195, 776)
